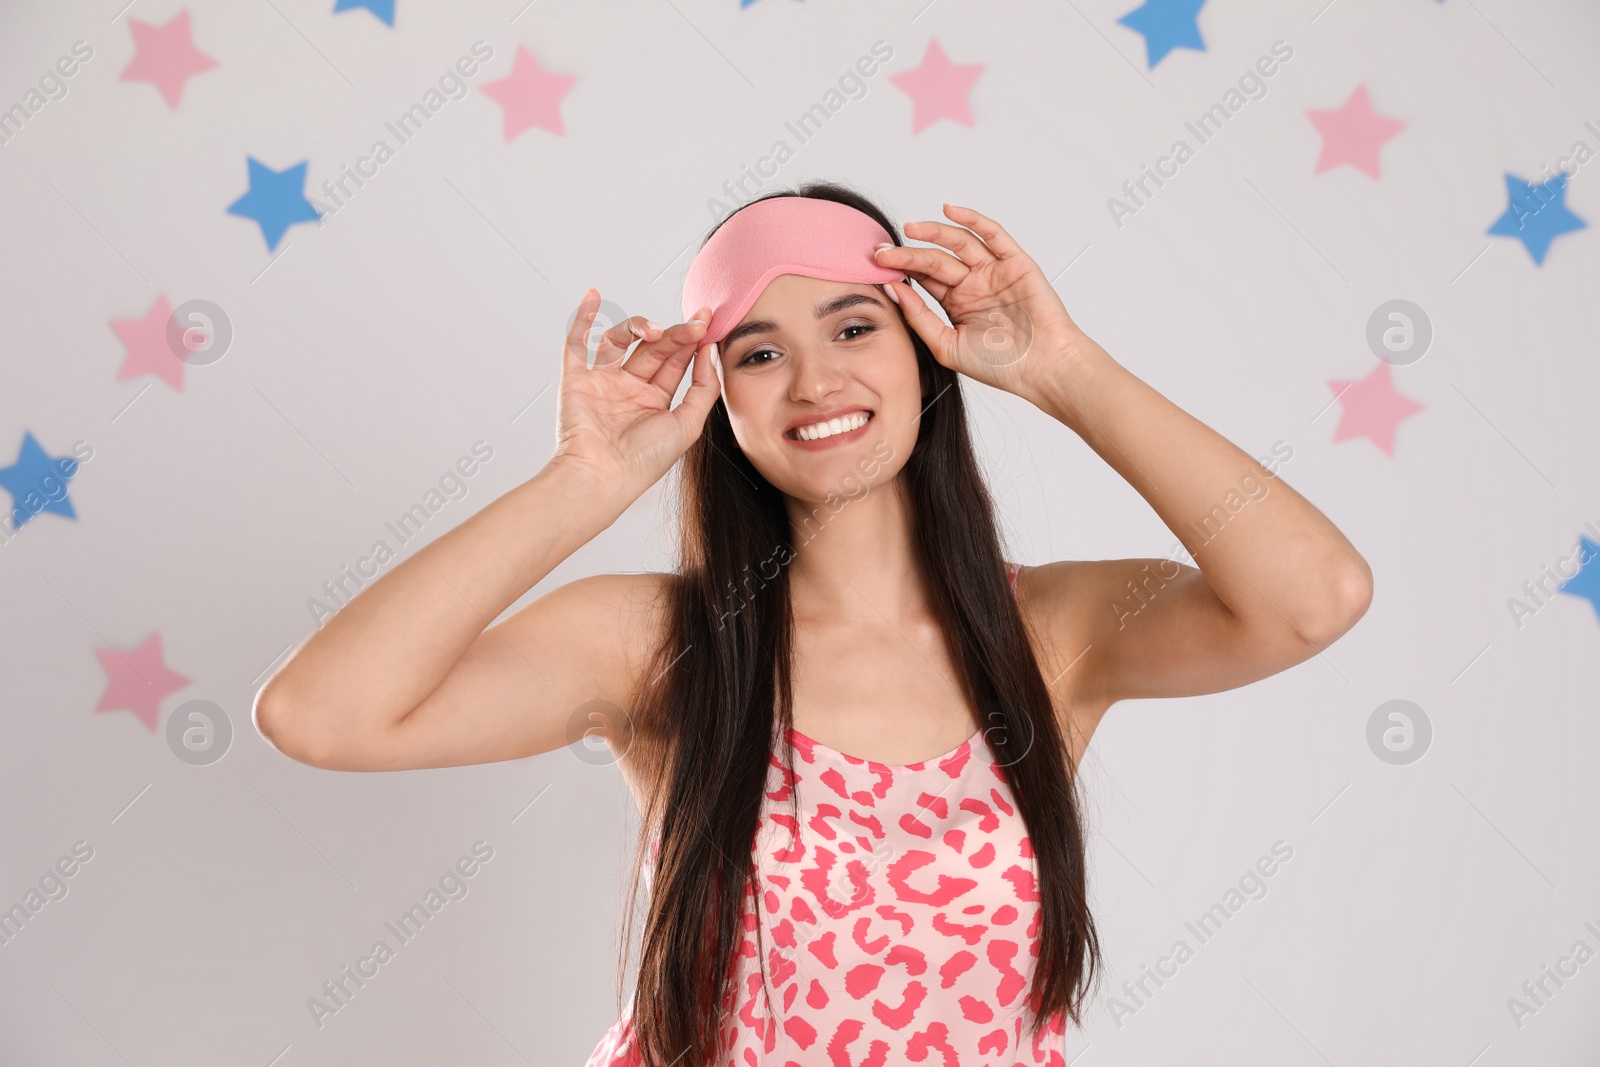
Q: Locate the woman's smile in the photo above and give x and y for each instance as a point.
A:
(829, 429)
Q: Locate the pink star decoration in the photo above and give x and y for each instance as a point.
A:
(139, 680)
(1371, 408)
(1352, 133)
(146, 342)
(165, 56)
(938, 88)
(530, 95)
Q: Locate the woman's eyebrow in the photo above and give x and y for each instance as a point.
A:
(821, 311)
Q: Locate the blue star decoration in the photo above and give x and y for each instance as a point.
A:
(1537, 214)
(37, 482)
(1166, 24)
(1586, 583)
(384, 9)
(276, 200)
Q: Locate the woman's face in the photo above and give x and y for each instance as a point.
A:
(821, 385)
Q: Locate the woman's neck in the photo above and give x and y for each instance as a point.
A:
(855, 559)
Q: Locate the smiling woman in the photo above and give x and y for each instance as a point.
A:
(861, 833)
(890, 635)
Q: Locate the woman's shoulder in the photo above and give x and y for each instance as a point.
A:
(624, 611)
(636, 592)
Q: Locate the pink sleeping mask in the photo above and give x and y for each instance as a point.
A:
(783, 235)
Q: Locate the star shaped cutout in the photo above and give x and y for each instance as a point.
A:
(938, 88)
(384, 9)
(138, 680)
(529, 96)
(1371, 408)
(1537, 214)
(276, 200)
(1586, 583)
(37, 482)
(146, 343)
(1352, 133)
(1166, 24)
(165, 56)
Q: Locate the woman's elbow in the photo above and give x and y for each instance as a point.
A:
(281, 723)
(1349, 597)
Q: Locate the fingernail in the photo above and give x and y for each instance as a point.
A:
(637, 330)
(711, 350)
(881, 247)
(890, 293)
(652, 325)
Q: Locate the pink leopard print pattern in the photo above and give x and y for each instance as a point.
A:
(897, 918)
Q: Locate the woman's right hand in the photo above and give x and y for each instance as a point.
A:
(615, 420)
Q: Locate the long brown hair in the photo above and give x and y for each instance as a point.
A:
(719, 691)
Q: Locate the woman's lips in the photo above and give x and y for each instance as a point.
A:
(834, 440)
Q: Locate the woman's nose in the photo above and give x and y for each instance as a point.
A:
(815, 377)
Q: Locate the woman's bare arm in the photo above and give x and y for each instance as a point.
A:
(407, 675)
(1276, 580)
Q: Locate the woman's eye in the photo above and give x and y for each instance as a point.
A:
(751, 358)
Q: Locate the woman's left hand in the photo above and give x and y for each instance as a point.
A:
(1010, 328)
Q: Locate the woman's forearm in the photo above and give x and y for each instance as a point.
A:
(392, 645)
(1267, 553)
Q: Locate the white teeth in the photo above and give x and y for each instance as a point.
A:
(843, 424)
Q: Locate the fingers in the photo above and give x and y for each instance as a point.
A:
(702, 392)
(939, 338)
(657, 347)
(667, 356)
(964, 243)
(934, 262)
(993, 234)
(932, 266)
(615, 342)
(575, 348)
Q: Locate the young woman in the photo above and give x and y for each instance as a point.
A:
(852, 728)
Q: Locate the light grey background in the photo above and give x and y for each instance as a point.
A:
(427, 314)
